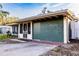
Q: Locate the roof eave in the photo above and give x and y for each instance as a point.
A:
(65, 13)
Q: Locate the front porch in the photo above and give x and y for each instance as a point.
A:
(25, 30)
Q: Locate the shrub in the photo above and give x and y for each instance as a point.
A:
(3, 36)
(6, 36)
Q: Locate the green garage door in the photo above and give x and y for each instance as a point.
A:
(48, 30)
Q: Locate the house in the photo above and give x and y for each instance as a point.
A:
(52, 26)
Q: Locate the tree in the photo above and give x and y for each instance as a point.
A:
(3, 15)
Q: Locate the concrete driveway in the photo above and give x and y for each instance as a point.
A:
(24, 49)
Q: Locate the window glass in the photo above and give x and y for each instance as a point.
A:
(0, 30)
(15, 29)
(25, 27)
(29, 29)
(21, 31)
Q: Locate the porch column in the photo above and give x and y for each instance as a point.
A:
(31, 30)
(18, 30)
(66, 30)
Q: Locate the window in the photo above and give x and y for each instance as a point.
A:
(0, 30)
(15, 29)
(21, 31)
(25, 27)
(29, 29)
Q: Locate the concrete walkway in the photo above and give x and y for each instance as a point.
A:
(25, 49)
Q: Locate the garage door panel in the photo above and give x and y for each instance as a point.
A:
(48, 30)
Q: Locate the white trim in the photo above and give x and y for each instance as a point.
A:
(66, 30)
(29, 36)
(19, 34)
(31, 30)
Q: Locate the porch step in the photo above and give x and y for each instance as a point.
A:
(17, 40)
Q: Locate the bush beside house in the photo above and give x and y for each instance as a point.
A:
(6, 37)
(3, 36)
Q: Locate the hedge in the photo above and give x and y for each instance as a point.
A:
(5, 36)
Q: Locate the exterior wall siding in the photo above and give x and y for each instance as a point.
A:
(75, 30)
(49, 30)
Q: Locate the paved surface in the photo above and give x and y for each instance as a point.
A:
(24, 49)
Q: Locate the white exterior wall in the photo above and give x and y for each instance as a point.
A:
(75, 29)
(73, 33)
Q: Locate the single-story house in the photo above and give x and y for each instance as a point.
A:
(52, 26)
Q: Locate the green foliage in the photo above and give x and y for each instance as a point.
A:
(3, 36)
(6, 36)
(3, 15)
(13, 36)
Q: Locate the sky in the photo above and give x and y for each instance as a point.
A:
(23, 10)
